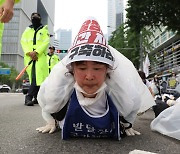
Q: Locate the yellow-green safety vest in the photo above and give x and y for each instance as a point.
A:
(41, 47)
(52, 61)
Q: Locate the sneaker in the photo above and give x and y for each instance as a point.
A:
(29, 103)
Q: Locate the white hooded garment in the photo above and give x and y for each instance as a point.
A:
(168, 122)
(125, 87)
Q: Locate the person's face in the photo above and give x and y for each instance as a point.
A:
(51, 51)
(89, 75)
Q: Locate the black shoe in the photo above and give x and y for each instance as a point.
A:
(35, 101)
(29, 103)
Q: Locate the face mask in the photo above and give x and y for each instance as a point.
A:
(36, 22)
(84, 101)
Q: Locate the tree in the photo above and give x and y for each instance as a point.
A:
(153, 13)
(118, 38)
(10, 79)
(126, 41)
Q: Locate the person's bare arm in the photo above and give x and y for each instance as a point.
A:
(6, 11)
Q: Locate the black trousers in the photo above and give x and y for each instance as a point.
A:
(159, 107)
(33, 89)
(32, 92)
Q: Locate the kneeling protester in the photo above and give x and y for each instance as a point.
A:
(82, 95)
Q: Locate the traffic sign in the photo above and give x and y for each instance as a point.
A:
(5, 71)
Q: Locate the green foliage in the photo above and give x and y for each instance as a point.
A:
(127, 42)
(153, 13)
(10, 79)
(118, 38)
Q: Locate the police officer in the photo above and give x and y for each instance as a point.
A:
(35, 41)
(52, 59)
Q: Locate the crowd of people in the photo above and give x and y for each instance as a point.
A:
(166, 93)
(165, 84)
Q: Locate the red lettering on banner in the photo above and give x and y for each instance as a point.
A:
(90, 32)
(82, 38)
(85, 26)
(89, 37)
(90, 25)
(100, 39)
(94, 26)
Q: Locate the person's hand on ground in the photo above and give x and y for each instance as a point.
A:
(49, 128)
(132, 132)
(128, 127)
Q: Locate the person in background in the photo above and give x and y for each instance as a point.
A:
(156, 86)
(52, 59)
(172, 81)
(35, 42)
(145, 81)
(6, 14)
(157, 83)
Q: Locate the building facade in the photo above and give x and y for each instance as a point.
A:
(115, 15)
(56, 44)
(12, 53)
(166, 53)
(64, 37)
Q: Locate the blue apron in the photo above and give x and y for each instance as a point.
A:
(79, 123)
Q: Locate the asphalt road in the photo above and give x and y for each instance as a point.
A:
(18, 135)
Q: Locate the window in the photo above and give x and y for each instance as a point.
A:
(157, 41)
(163, 37)
(171, 34)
